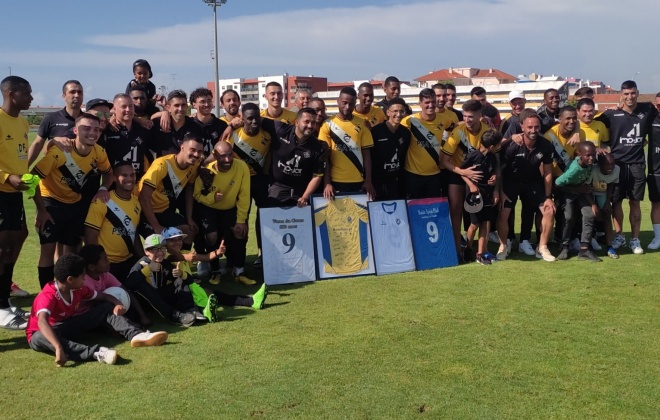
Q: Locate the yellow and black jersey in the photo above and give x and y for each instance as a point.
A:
(564, 152)
(253, 150)
(233, 184)
(168, 181)
(286, 116)
(374, 117)
(64, 174)
(595, 132)
(117, 221)
(461, 142)
(423, 157)
(13, 148)
(346, 139)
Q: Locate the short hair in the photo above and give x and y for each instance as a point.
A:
(302, 90)
(177, 94)
(305, 110)
(450, 86)
(91, 253)
(566, 108)
(122, 96)
(604, 159)
(70, 265)
(116, 166)
(657, 95)
(249, 106)
(12, 83)
(189, 136)
(199, 93)
(548, 91)
(472, 105)
(585, 101)
(269, 84)
(227, 92)
(528, 113)
(348, 91)
(70, 82)
(317, 99)
(477, 91)
(87, 116)
(491, 138)
(137, 87)
(391, 79)
(584, 91)
(397, 101)
(365, 85)
(629, 84)
(439, 86)
(426, 93)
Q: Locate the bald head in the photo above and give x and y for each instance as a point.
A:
(224, 155)
(222, 147)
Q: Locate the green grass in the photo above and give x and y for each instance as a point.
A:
(520, 339)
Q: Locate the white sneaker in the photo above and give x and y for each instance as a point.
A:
(636, 247)
(106, 355)
(596, 246)
(509, 246)
(655, 244)
(575, 245)
(11, 321)
(502, 253)
(148, 338)
(618, 241)
(526, 247)
(492, 237)
(17, 291)
(544, 252)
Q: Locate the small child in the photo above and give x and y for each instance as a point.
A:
(53, 320)
(605, 178)
(142, 74)
(483, 159)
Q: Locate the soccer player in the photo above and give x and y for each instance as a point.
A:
(629, 126)
(559, 135)
(463, 139)
(348, 138)
(422, 178)
(517, 102)
(168, 186)
(590, 129)
(274, 95)
(210, 126)
(113, 224)
(301, 98)
(318, 105)
(451, 100)
(391, 142)
(60, 212)
(230, 101)
(478, 93)
(371, 114)
(166, 139)
(527, 173)
(223, 193)
(549, 111)
(16, 97)
(59, 124)
(654, 175)
(392, 89)
(143, 107)
(440, 101)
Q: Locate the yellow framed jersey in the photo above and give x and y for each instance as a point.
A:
(117, 221)
(64, 174)
(595, 132)
(253, 150)
(373, 117)
(461, 142)
(423, 157)
(564, 152)
(168, 181)
(13, 148)
(286, 116)
(346, 139)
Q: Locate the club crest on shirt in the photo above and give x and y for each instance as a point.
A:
(539, 155)
(307, 154)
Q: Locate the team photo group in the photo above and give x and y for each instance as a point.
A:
(143, 201)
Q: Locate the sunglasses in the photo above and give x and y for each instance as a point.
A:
(100, 114)
(158, 249)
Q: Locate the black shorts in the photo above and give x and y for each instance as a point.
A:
(259, 189)
(212, 220)
(12, 212)
(424, 186)
(168, 218)
(387, 189)
(632, 183)
(532, 195)
(68, 226)
(454, 179)
(654, 187)
(484, 215)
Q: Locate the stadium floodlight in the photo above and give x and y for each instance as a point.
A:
(216, 95)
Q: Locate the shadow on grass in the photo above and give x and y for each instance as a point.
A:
(14, 343)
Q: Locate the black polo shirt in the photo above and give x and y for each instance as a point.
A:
(522, 165)
(389, 152)
(211, 132)
(128, 145)
(57, 124)
(628, 131)
(162, 143)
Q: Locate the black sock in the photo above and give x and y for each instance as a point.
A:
(215, 264)
(9, 270)
(46, 274)
(5, 286)
(233, 300)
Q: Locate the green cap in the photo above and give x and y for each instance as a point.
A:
(153, 241)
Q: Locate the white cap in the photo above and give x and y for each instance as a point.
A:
(516, 94)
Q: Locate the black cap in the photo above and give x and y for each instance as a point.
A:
(143, 63)
(473, 203)
(97, 102)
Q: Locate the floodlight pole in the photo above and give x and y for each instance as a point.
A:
(216, 95)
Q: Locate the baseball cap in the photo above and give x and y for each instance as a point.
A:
(153, 241)
(172, 232)
(143, 63)
(473, 203)
(516, 94)
(97, 102)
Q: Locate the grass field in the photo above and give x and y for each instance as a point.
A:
(520, 339)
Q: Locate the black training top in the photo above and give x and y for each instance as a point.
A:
(487, 164)
(389, 152)
(654, 148)
(627, 132)
(128, 145)
(211, 132)
(521, 164)
(162, 143)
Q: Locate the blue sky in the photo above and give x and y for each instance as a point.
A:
(48, 42)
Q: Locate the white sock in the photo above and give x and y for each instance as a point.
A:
(656, 230)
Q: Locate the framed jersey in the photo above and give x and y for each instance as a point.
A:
(342, 234)
(432, 237)
(287, 245)
(390, 234)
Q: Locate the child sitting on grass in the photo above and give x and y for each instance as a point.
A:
(53, 322)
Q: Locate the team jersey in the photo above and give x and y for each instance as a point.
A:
(52, 302)
(373, 117)
(116, 221)
(253, 150)
(461, 142)
(233, 184)
(128, 145)
(168, 181)
(389, 152)
(64, 174)
(654, 148)
(564, 152)
(346, 139)
(286, 116)
(13, 148)
(211, 132)
(57, 124)
(628, 131)
(226, 118)
(423, 157)
(162, 143)
(390, 233)
(343, 227)
(595, 132)
(487, 165)
(156, 279)
(431, 233)
(523, 165)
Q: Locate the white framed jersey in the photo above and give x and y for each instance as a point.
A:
(390, 235)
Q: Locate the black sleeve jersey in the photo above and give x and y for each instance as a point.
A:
(162, 143)
(389, 152)
(128, 145)
(628, 131)
(654, 147)
(522, 164)
(210, 132)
